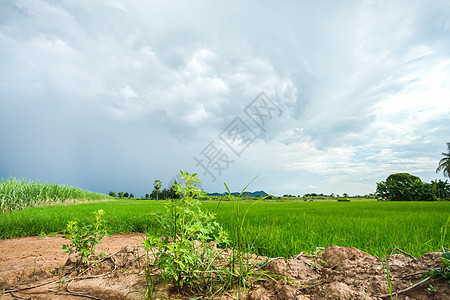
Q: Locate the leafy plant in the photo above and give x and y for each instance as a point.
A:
(183, 254)
(84, 239)
(444, 269)
(148, 282)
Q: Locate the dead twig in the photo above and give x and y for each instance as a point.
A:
(401, 251)
(30, 287)
(78, 295)
(420, 273)
(301, 253)
(275, 258)
(407, 289)
(20, 297)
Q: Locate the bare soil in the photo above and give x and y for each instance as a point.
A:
(37, 268)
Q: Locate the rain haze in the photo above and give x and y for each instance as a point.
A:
(324, 96)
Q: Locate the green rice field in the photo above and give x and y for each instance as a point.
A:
(272, 228)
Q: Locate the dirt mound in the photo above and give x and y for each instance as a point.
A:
(349, 273)
(38, 268)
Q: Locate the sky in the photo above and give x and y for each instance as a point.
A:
(301, 96)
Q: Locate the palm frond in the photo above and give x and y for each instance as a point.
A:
(444, 163)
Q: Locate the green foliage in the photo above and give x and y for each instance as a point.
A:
(402, 177)
(242, 267)
(444, 269)
(183, 254)
(84, 239)
(164, 194)
(444, 163)
(406, 187)
(157, 185)
(121, 194)
(112, 194)
(441, 189)
(18, 194)
(148, 282)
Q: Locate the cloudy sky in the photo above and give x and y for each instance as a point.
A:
(310, 96)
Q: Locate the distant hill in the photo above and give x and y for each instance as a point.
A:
(250, 194)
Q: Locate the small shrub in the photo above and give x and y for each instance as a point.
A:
(183, 253)
(343, 200)
(444, 269)
(84, 239)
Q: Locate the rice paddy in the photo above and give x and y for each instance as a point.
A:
(271, 228)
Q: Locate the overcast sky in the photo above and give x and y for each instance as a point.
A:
(310, 96)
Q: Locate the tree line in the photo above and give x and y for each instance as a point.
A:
(156, 194)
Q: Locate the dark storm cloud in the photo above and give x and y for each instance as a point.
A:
(114, 94)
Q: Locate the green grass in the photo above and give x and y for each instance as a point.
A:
(284, 229)
(272, 228)
(18, 194)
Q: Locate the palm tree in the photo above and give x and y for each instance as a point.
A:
(157, 185)
(444, 163)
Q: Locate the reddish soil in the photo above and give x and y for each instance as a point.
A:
(31, 268)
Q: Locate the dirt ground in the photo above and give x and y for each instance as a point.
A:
(37, 268)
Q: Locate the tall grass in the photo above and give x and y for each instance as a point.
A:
(18, 194)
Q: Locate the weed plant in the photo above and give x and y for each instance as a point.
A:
(444, 269)
(18, 194)
(84, 239)
(184, 253)
(242, 266)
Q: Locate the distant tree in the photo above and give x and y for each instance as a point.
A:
(126, 195)
(345, 195)
(112, 194)
(444, 163)
(157, 185)
(441, 189)
(121, 194)
(402, 177)
(332, 195)
(405, 187)
(172, 194)
(146, 196)
(131, 195)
